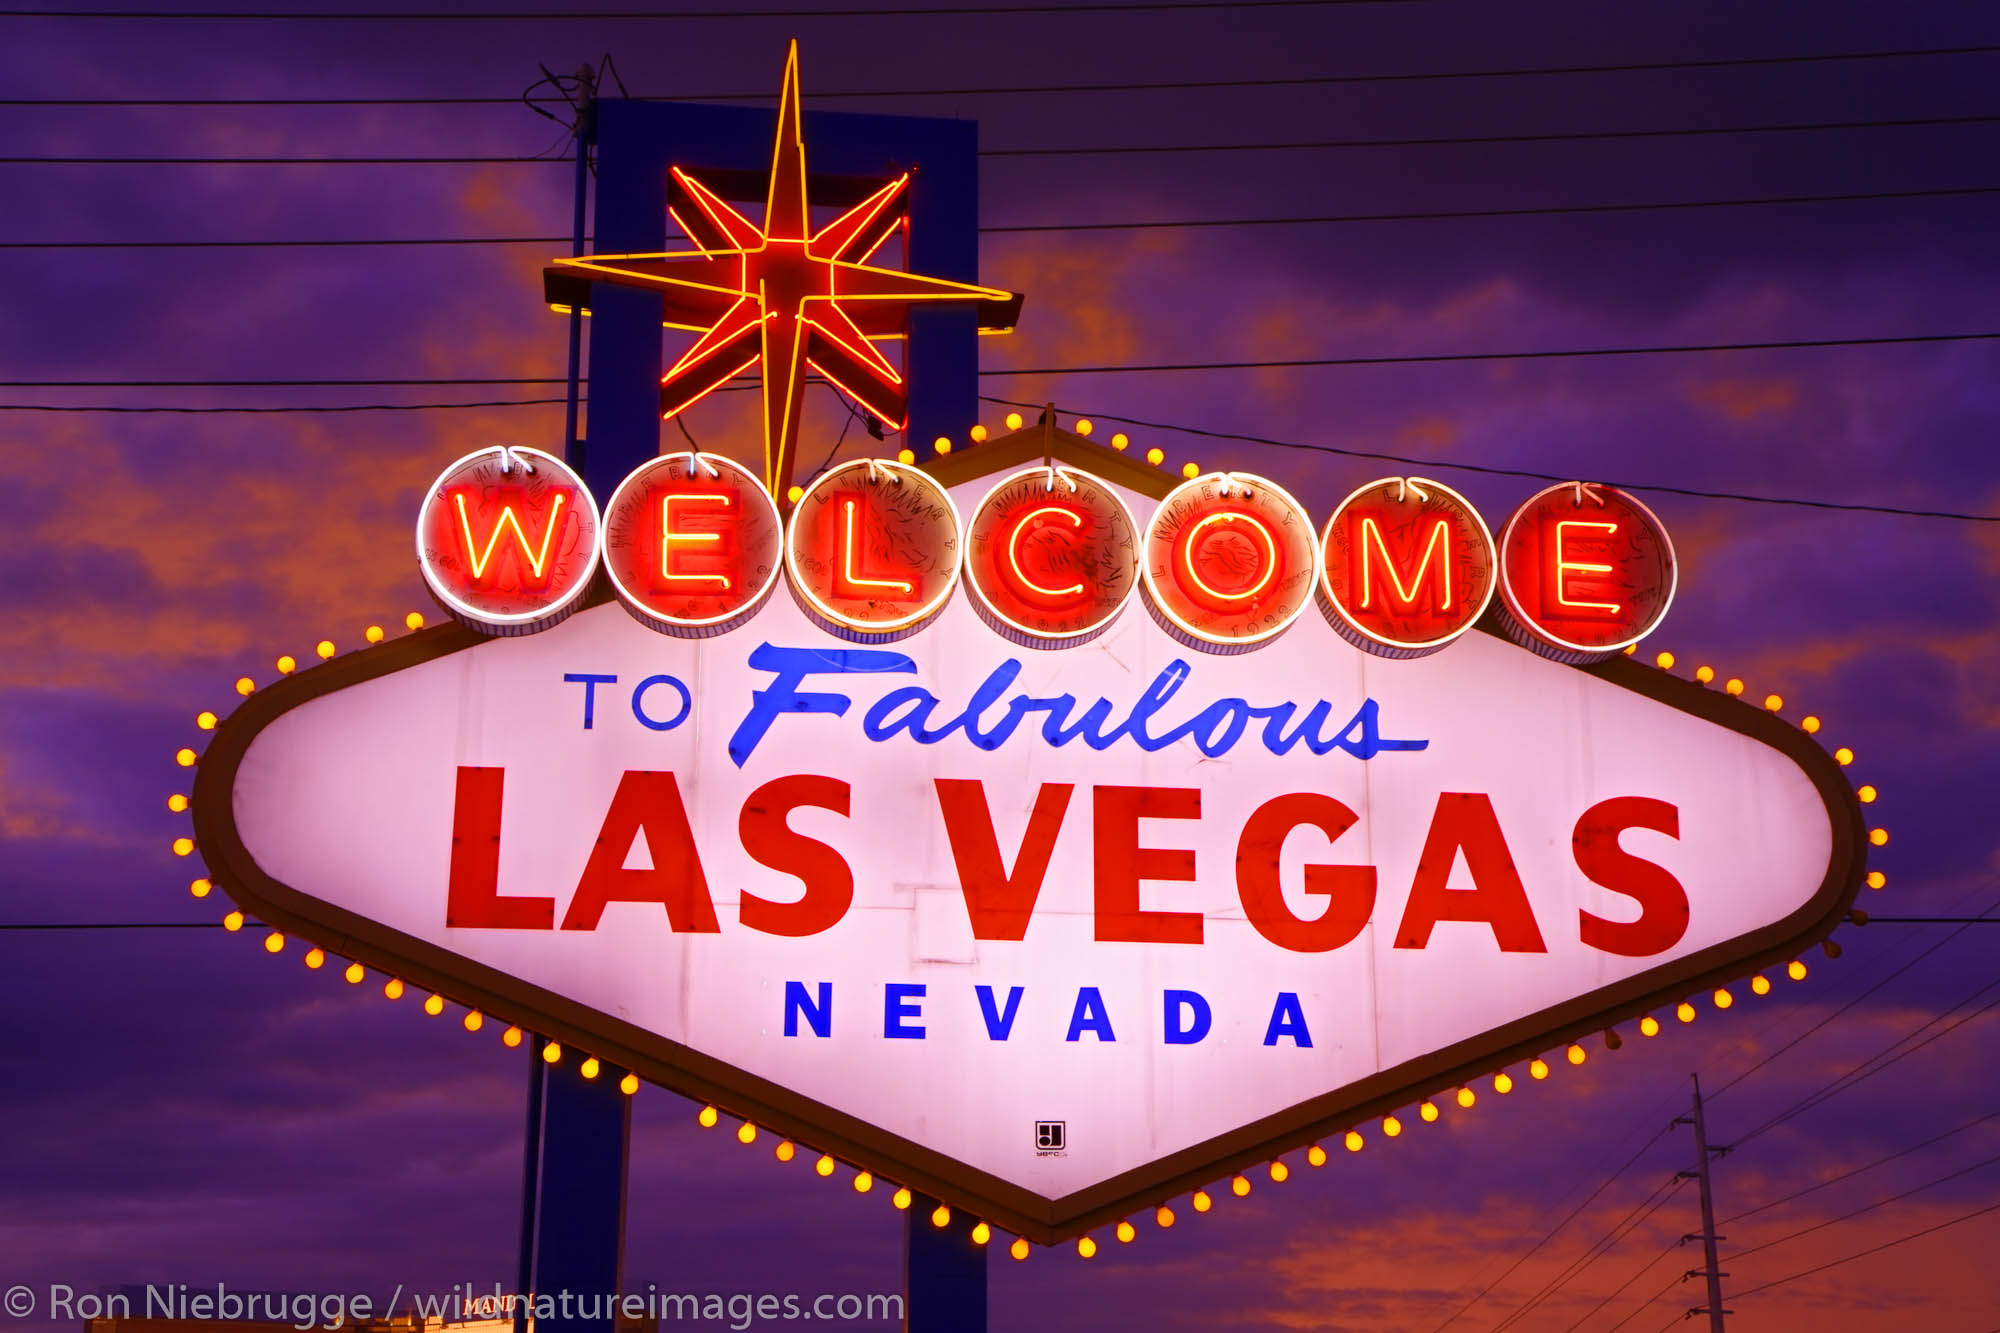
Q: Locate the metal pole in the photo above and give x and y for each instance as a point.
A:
(944, 1273)
(531, 1159)
(585, 133)
(1708, 1236)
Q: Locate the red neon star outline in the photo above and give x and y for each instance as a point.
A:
(774, 297)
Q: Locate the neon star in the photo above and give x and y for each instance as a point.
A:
(783, 298)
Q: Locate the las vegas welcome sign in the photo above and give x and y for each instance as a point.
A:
(1032, 829)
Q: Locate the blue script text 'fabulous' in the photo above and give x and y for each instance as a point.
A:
(911, 710)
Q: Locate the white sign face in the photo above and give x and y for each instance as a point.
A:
(961, 890)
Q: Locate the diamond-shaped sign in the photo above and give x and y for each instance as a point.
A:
(1049, 932)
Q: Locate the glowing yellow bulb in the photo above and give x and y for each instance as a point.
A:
(245, 686)
(1843, 756)
(1164, 1216)
(1795, 970)
(315, 959)
(1202, 1203)
(177, 803)
(942, 444)
(1867, 795)
(1575, 1055)
(324, 649)
(1704, 674)
(1876, 879)
(906, 455)
(355, 974)
(1013, 421)
(1877, 836)
(374, 634)
(1120, 440)
(1503, 1083)
(1774, 702)
(205, 720)
(1019, 1249)
(1664, 661)
(1809, 724)
(1156, 456)
(707, 1117)
(863, 1182)
(1083, 426)
(1316, 1155)
(1466, 1098)
(629, 1084)
(1126, 1231)
(1280, 1172)
(1190, 470)
(1684, 1011)
(1391, 1126)
(940, 1217)
(824, 1165)
(784, 1152)
(1538, 1069)
(977, 434)
(1086, 1247)
(1429, 1112)
(1733, 685)
(981, 1233)
(591, 1069)
(184, 757)
(274, 943)
(183, 846)
(414, 620)
(393, 989)
(1723, 999)
(1760, 985)
(901, 1198)
(1239, 1186)
(746, 1133)
(793, 493)
(287, 665)
(552, 1054)
(473, 1020)
(513, 1036)
(1649, 1026)
(233, 922)
(434, 1005)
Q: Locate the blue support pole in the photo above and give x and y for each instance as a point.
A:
(945, 1273)
(580, 1230)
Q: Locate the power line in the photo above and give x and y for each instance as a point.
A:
(1111, 150)
(1873, 1249)
(1182, 224)
(1597, 1249)
(1489, 470)
(1619, 1290)
(1855, 1171)
(1866, 1208)
(571, 16)
(160, 409)
(1047, 89)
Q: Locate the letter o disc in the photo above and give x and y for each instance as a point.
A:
(873, 549)
(507, 539)
(1052, 556)
(1230, 561)
(1406, 566)
(1585, 571)
(693, 544)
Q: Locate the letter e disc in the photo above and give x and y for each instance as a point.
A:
(1585, 570)
(1406, 566)
(1052, 556)
(507, 539)
(873, 549)
(693, 544)
(1230, 561)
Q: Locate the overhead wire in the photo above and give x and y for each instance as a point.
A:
(706, 15)
(1863, 1254)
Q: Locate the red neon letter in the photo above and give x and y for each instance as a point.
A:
(671, 537)
(999, 903)
(650, 802)
(852, 582)
(1564, 566)
(472, 890)
(828, 880)
(1465, 822)
(531, 556)
(1374, 551)
(1663, 903)
(1021, 575)
(1349, 890)
(1262, 553)
(1121, 863)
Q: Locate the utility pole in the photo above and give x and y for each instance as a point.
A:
(1702, 1153)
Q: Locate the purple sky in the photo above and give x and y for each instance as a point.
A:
(178, 1107)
